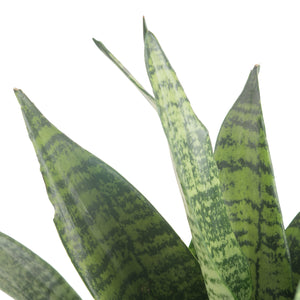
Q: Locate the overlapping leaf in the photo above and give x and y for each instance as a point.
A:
(224, 267)
(249, 191)
(118, 242)
(24, 275)
(293, 239)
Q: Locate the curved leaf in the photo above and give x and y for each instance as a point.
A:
(250, 194)
(293, 239)
(224, 267)
(118, 242)
(24, 275)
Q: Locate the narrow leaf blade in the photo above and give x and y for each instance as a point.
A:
(101, 46)
(224, 267)
(24, 275)
(120, 245)
(293, 239)
(249, 191)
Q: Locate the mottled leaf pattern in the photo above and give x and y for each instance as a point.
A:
(24, 275)
(224, 267)
(250, 194)
(293, 239)
(118, 242)
(126, 72)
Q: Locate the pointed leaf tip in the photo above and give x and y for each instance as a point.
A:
(126, 72)
(23, 99)
(145, 29)
(98, 44)
(92, 207)
(17, 91)
(215, 243)
(249, 191)
(20, 96)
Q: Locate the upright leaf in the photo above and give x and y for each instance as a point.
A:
(118, 242)
(293, 239)
(249, 191)
(24, 275)
(224, 267)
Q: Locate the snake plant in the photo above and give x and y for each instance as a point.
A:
(119, 243)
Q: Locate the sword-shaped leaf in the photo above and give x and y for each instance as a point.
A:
(224, 266)
(250, 194)
(24, 275)
(120, 245)
(126, 72)
(293, 239)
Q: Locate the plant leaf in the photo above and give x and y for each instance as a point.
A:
(249, 191)
(293, 239)
(24, 275)
(297, 295)
(192, 249)
(120, 245)
(126, 72)
(224, 267)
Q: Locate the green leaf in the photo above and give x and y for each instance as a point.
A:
(293, 239)
(250, 194)
(224, 267)
(297, 295)
(192, 249)
(120, 245)
(126, 72)
(24, 275)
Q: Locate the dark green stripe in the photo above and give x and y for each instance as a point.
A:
(118, 242)
(240, 163)
(24, 275)
(224, 267)
(250, 194)
(293, 239)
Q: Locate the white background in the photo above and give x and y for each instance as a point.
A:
(46, 50)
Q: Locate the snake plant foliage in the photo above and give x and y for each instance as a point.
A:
(119, 243)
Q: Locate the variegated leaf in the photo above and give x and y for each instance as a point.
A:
(224, 266)
(293, 239)
(250, 194)
(24, 275)
(120, 245)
